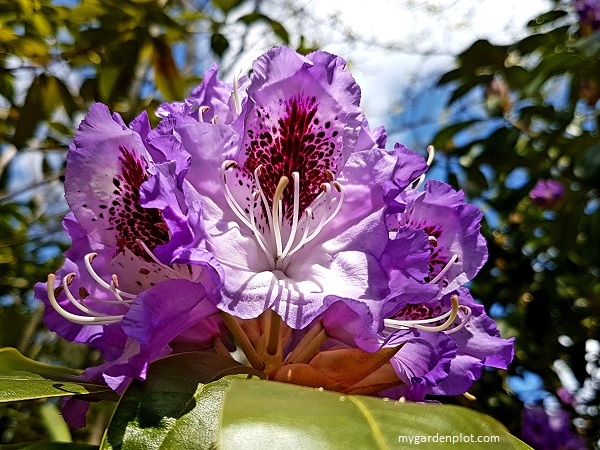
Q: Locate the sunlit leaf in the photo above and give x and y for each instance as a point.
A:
(175, 407)
(288, 416)
(11, 359)
(16, 385)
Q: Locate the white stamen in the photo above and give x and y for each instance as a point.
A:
(432, 240)
(445, 269)
(82, 320)
(276, 250)
(418, 324)
(421, 179)
(214, 119)
(262, 196)
(66, 282)
(465, 320)
(259, 236)
(201, 112)
(240, 213)
(233, 204)
(235, 96)
(277, 219)
(296, 213)
(88, 265)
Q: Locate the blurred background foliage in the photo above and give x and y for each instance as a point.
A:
(522, 113)
(515, 114)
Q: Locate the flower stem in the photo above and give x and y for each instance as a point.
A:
(242, 340)
(274, 327)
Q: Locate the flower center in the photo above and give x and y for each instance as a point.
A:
(281, 228)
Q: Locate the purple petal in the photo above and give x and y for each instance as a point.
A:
(479, 344)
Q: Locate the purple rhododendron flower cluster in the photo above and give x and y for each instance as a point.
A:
(266, 214)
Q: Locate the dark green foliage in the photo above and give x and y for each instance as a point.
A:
(541, 96)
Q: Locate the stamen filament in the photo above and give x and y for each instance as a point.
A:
(465, 320)
(201, 112)
(296, 210)
(79, 305)
(421, 179)
(233, 204)
(235, 96)
(445, 269)
(81, 320)
(88, 265)
(243, 341)
(262, 196)
(156, 260)
(283, 182)
(259, 237)
(400, 324)
(274, 326)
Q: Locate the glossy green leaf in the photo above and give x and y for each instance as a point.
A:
(177, 407)
(11, 359)
(259, 414)
(16, 385)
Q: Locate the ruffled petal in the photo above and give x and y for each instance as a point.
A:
(479, 344)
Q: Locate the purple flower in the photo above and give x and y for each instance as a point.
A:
(547, 193)
(113, 291)
(549, 429)
(292, 205)
(269, 207)
(589, 15)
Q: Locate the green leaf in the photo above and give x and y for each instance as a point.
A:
(444, 138)
(219, 43)
(259, 414)
(16, 385)
(227, 5)
(53, 422)
(167, 77)
(546, 18)
(280, 31)
(11, 359)
(175, 407)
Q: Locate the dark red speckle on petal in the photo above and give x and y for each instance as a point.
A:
(299, 142)
(127, 216)
(417, 311)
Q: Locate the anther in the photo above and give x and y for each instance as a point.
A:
(433, 240)
(329, 175)
(201, 112)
